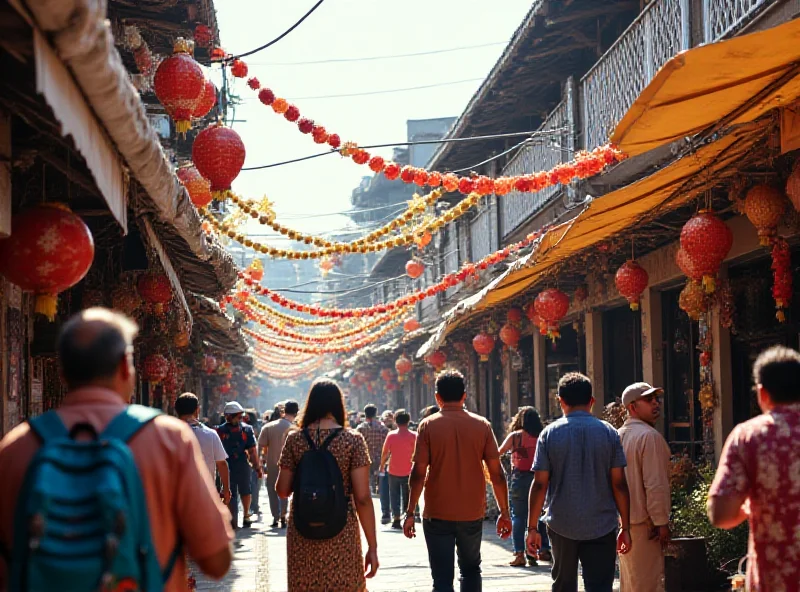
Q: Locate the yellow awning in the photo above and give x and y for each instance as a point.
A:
(610, 214)
(729, 82)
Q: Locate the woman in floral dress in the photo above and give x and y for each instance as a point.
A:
(336, 564)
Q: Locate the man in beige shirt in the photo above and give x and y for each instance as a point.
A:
(270, 441)
(647, 453)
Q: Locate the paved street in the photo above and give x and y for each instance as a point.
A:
(260, 564)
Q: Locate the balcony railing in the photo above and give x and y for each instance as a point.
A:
(721, 18)
(480, 229)
(543, 153)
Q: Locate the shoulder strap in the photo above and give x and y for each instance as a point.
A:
(126, 425)
(309, 439)
(173, 559)
(330, 438)
(49, 426)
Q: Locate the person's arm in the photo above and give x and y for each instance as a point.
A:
(288, 463)
(225, 478)
(387, 446)
(508, 443)
(217, 565)
(416, 480)
(731, 487)
(536, 496)
(362, 498)
(252, 453)
(622, 499)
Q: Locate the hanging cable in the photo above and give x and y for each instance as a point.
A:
(279, 37)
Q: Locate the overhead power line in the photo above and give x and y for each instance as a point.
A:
(281, 36)
(378, 92)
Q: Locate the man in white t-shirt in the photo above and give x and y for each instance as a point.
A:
(187, 407)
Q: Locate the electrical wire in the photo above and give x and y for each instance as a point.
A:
(279, 37)
(387, 91)
(383, 57)
(531, 134)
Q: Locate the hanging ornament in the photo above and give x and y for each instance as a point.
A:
(631, 280)
(155, 368)
(410, 325)
(203, 35)
(403, 366)
(514, 316)
(207, 100)
(686, 266)
(239, 69)
(782, 277)
(483, 344)
(693, 300)
(793, 186)
(209, 364)
(725, 303)
(422, 239)
(325, 266)
(764, 207)
(437, 359)
(197, 186)
(225, 388)
(510, 335)
(387, 375)
(217, 54)
(552, 306)
(218, 153)
(707, 241)
(415, 268)
(256, 270)
(181, 339)
(178, 83)
(155, 289)
(50, 250)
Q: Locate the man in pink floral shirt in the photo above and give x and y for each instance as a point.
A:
(758, 478)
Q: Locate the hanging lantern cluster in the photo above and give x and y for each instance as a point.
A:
(156, 291)
(197, 186)
(706, 241)
(50, 250)
(179, 84)
(155, 368)
(764, 207)
(437, 359)
(218, 153)
(483, 343)
(631, 280)
(403, 366)
(782, 277)
(693, 300)
(551, 305)
(207, 100)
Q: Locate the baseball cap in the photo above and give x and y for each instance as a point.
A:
(638, 390)
(233, 408)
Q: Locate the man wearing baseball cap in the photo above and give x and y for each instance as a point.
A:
(239, 441)
(647, 453)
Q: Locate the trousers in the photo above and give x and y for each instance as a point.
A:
(277, 506)
(596, 556)
(445, 539)
(255, 492)
(398, 495)
(642, 568)
(518, 488)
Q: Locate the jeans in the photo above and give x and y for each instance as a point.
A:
(597, 558)
(398, 495)
(240, 485)
(443, 538)
(383, 491)
(255, 488)
(277, 506)
(518, 490)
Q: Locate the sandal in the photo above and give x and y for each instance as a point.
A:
(545, 555)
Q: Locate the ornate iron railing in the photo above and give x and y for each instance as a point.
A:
(480, 229)
(541, 154)
(450, 253)
(722, 17)
(612, 85)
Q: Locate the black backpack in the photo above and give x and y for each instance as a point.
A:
(319, 501)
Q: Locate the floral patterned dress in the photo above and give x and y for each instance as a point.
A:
(332, 565)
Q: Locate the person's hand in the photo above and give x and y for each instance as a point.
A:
(409, 527)
(371, 563)
(533, 542)
(226, 495)
(624, 541)
(260, 473)
(662, 534)
(503, 526)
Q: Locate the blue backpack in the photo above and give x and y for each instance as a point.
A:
(81, 523)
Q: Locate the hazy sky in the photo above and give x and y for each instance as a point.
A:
(350, 29)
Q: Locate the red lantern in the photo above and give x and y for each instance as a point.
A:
(125, 300)
(218, 153)
(156, 368)
(207, 100)
(203, 35)
(197, 186)
(387, 374)
(155, 289)
(238, 69)
(217, 54)
(510, 335)
(209, 364)
(403, 366)
(49, 251)
(707, 241)
(631, 280)
(437, 359)
(514, 316)
(552, 306)
(225, 388)
(483, 344)
(764, 207)
(410, 325)
(415, 268)
(686, 266)
(178, 83)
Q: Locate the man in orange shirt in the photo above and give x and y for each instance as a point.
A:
(95, 351)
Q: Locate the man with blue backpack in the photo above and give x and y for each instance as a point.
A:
(239, 440)
(101, 495)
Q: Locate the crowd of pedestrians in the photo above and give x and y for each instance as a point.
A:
(580, 493)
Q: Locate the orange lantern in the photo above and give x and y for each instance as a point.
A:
(764, 206)
(49, 251)
(387, 375)
(403, 366)
(693, 300)
(422, 240)
(198, 188)
(483, 344)
(154, 288)
(437, 359)
(631, 280)
(155, 368)
(207, 100)
(415, 268)
(218, 153)
(552, 306)
(178, 83)
(510, 335)
(225, 388)
(410, 325)
(707, 241)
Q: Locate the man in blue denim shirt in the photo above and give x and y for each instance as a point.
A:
(580, 467)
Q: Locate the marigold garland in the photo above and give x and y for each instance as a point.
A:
(323, 349)
(292, 320)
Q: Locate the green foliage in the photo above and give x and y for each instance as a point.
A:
(689, 518)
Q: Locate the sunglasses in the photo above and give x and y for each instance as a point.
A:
(650, 398)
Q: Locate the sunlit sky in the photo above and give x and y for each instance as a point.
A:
(351, 29)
